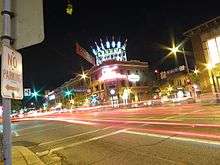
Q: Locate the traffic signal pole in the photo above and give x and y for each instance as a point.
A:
(6, 103)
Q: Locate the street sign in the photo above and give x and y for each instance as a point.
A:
(27, 92)
(84, 54)
(11, 75)
(27, 24)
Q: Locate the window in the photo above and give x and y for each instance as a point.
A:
(128, 72)
(214, 50)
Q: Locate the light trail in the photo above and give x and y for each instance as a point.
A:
(155, 123)
(59, 119)
(185, 134)
(172, 137)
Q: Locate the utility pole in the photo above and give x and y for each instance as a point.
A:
(6, 103)
(185, 59)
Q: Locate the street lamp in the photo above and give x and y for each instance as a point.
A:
(83, 75)
(35, 94)
(68, 93)
(210, 68)
(176, 49)
(196, 71)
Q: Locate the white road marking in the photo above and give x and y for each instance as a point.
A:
(69, 137)
(85, 141)
(59, 119)
(81, 142)
(47, 129)
(36, 126)
(171, 137)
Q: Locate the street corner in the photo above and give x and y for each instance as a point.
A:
(23, 156)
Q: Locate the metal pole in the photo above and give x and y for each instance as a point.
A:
(215, 89)
(186, 63)
(6, 103)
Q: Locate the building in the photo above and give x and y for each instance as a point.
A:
(112, 80)
(176, 83)
(71, 93)
(205, 40)
(120, 81)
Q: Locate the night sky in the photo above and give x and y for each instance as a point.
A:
(146, 25)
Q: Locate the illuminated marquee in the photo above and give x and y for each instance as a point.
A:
(109, 73)
(110, 51)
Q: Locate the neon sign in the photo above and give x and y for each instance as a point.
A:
(110, 51)
(109, 73)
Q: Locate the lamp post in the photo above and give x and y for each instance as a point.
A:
(175, 49)
(186, 63)
(210, 68)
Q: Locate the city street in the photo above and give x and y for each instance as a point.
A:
(85, 83)
(184, 134)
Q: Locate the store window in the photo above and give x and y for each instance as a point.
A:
(214, 50)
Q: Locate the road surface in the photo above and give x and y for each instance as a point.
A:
(179, 135)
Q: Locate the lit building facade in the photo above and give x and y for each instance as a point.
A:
(112, 79)
(205, 40)
(176, 81)
(120, 81)
(71, 93)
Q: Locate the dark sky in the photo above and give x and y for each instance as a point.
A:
(145, 24)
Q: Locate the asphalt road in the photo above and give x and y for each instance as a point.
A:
(115, 138)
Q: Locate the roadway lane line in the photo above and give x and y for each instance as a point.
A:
(86, 141)
(47, 129)
(69, 137)
(172, 137)
(36, 126)
(79, 143)
(58, 119)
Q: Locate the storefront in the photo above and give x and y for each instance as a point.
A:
(205, 40)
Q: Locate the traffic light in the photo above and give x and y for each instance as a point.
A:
(69, 7)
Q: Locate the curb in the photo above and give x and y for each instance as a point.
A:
(23, 156)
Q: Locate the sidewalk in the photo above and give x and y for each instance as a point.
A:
(23, 156)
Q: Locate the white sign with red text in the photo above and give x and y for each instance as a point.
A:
(11, 75)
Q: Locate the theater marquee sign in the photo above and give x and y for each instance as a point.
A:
(11, 75)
